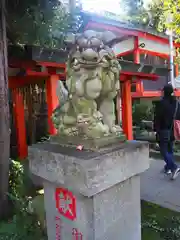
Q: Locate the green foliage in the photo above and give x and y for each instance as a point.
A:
(45, 22)
(20, 184)
(16, 175)
(170, 18)
(130, 11)
(150, 16)
(165, 15)
(142, 111)
(132, 6)
(171, 8)
(159, 223)
(23, 225)
(42, 23)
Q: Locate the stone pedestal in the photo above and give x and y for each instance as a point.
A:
(91, 195)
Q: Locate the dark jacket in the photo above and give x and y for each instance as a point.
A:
(164, 114)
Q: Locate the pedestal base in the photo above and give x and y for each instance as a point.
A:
(110, 215)
(91, 195)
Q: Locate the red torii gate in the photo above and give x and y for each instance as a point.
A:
(131, 40)
(51, 76)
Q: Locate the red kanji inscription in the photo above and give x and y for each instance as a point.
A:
(58, 228)
(65, 203)
(76, 235)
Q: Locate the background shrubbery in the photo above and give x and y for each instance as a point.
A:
(21, 224)
(142, 110)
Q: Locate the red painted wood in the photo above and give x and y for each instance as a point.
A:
(31, 64)
(123, 105)
(125, 31)
(127, 109)
(15, 82)
(52, 100)
(139, 84)
(34, 77)
(176, 66)
(43, 74)
(18, 109)
(152, 94)
(157, 54)
(143, 51)
(144, 76)
(136, 50)
(176, 70)
(146, 94)
(139, 87)
(52, 64)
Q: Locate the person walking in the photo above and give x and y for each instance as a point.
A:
(166, 111)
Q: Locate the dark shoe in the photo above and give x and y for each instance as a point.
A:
(175, 174)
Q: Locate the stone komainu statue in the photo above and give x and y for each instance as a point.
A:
(92, 79)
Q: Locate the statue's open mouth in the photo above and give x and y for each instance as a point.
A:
(88, 62)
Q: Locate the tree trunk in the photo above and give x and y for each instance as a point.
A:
(4, 115)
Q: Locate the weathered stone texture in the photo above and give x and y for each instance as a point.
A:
(105, 184)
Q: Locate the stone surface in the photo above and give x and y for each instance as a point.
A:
(111, 214)
(90, 143)
(87, 105)
(158, 188)
(93, 193)
(88, 172)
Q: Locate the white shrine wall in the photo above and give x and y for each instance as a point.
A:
(153, 46)
(124, 46)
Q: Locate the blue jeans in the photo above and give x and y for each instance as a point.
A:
(166, 149)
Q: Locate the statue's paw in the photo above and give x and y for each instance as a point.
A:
(105, 129)
(116, 129)
(98, 116)
(98, 130)
(73, 131)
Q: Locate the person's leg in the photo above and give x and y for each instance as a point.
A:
(170, 156)
(164, 152)
(174, 168)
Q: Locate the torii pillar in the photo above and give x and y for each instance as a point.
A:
(126, 101)
(126, 97)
